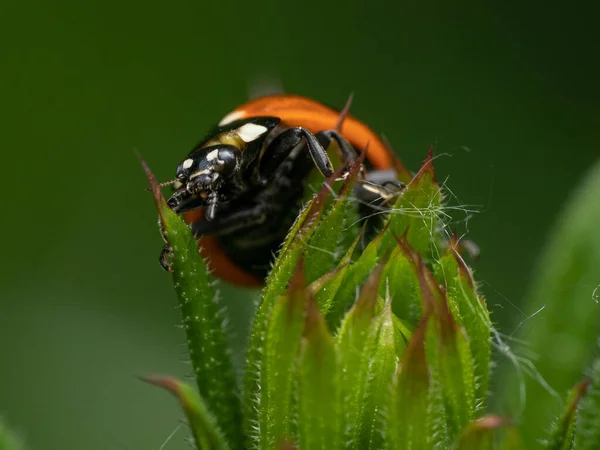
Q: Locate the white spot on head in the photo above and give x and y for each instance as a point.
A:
(188, 163)
(250, 131)
(231, 117)
(212, 155)
(200, 172)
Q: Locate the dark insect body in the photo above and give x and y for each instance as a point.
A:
(240, 189)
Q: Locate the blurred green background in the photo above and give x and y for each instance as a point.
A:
(506, 91)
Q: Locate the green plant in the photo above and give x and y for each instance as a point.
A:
(389, 347)
(405, 364)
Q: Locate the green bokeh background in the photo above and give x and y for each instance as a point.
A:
(506, 91)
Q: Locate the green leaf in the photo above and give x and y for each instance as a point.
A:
(470, 312)
(389, 347)
(450, 363)
(565, 294)
(276, 283)
(8, 439)
(356, 343)
(408, 422)
(562, 432)
(354, 276)
(485, 434)
(319, 397)
(333, 281)
(417, 212)
(203, 321)
(588, 421)
(202, 423)
(402, 283)
(279, 367)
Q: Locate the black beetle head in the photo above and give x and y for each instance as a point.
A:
(206, 169)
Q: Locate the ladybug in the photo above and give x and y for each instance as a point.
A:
(240, 189)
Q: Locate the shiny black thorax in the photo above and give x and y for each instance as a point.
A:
(259, 201)
(250, 178)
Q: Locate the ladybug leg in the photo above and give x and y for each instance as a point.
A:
(236, 220)
(379, 185)
(283, 146)
(166, 254)
(348, 152)
(165, 258)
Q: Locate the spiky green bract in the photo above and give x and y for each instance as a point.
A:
(489, 433)
(408, 423)
(386, 348)
(389, 345)
(470, 312)
(566, 295)
(203, 425)
(356, 341)
(402, 283)
(353, 277)
(202, 321)
(276, 283)
(449, 360)
(334, 281)
(588, 420)
(417, 212)
(319, 392)
(8, 439)
(279, 366)
(562, 431)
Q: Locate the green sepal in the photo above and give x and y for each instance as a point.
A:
(279, 366)
(389, 346)
(489, 433)
(333, 281)
(203, 321)
(354, 276)
(356, 341)
(417, 213)
(276, 283)
(587, 435)
(402, 283)
(470, 312)
(319, 393)
(202, 423)
(562, 431)
(408, 422)
(450, 362)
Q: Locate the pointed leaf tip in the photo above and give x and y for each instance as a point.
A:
(368, 294)
(492, 421)
(159, 200)
(167, 382)
(453, 243)
(481, 434)
(408, 417)
(298, 280)
(427, 168)
(202, 423)
(313, 318)
(562, 431)
(287, 445)
(413, 363)
(432, 295)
